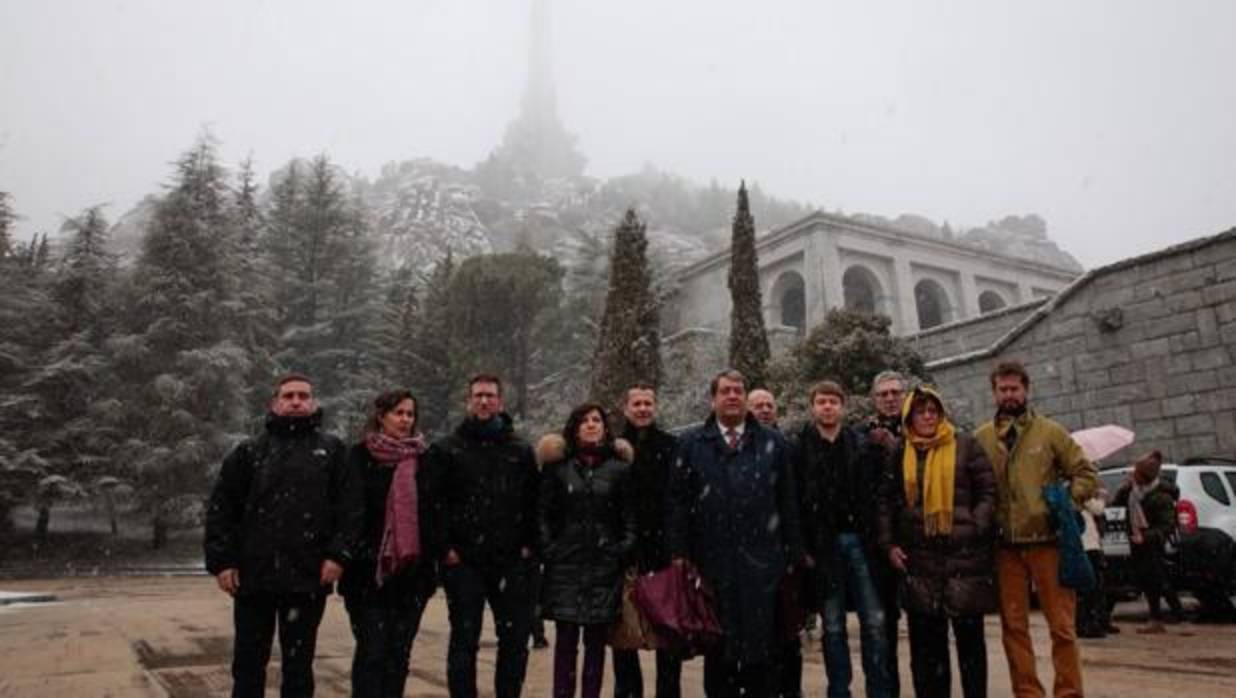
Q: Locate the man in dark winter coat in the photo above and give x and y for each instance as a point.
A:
(788, 679)
(485, 484)
(280, 527)
(733, 513)
(650, 476)
(839, 473)
(888, 390)
(1150, 503)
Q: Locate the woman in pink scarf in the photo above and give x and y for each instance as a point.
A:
(387, 585)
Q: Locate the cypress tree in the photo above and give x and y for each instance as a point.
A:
(436, 374)
(749, 351)
(628, 347)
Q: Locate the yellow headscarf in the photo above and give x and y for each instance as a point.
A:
(938, 474)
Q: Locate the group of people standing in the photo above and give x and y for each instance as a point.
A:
(906, 512)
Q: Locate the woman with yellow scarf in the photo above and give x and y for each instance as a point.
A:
(937, 526)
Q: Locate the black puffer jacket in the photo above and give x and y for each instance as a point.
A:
(284, 502)
(946, 576)
(484, 486)
(587, 530)
(359, 579)
(650, 477)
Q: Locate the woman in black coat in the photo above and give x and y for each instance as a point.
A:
(936, 524)
(388, 583)
(587, 530)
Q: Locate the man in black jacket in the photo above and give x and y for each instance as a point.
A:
(654, 456)
(888, 390)
(839, 473)
(280, 526)
(485, 485)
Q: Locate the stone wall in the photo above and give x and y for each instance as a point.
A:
(975, 334)
(1148, 343)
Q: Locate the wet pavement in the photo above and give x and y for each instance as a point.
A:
(171, 636)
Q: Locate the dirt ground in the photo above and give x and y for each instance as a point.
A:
(171, 636)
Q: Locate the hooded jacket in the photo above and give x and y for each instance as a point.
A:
(948, 575)
(285, 501)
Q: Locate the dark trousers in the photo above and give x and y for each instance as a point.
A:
(629, 678)
(384, 626)
(727, 678)
(1152, 579)
(566, 641)
(929, 662)
(892, 619)
(788, 681)
(509, 594)
(256, 616)
(1093, 617)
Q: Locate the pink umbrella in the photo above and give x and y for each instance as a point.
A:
(1100, 442)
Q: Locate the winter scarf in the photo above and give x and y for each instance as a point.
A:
(939, 472)
(401, 539)
(1138, 524)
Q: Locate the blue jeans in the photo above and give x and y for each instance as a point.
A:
(849, 570)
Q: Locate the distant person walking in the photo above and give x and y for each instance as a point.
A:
(1029, 451)
(1150, 503)
(280, 527)
(392, 576)
(587, 534)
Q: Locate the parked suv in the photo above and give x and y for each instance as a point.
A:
(1201, 557)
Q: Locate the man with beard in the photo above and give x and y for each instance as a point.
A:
(1027, 452)
(485, 488)
(650, 472)
(280, 527)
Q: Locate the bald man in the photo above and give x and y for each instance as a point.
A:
(763, 405)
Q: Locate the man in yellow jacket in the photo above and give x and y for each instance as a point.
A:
(1028, 451)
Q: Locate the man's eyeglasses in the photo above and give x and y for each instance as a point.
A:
(889, 393)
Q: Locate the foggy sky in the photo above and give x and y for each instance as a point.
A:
(1113, 120)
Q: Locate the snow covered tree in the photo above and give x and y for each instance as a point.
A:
(322, 264)
(436, 374)
(749, 351)
(849, 347)
(72, 379)
(628, 349)
(182, 372)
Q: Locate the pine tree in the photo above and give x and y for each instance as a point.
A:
(436, 373)
(749, 351)
(256, 317)
(322, 261)
(183, 373)
(628, 347)
(498, 305)
(71, 381)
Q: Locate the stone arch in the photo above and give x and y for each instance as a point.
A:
(789, 300)
(862, 290)
(990, 301)
(932, 303)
